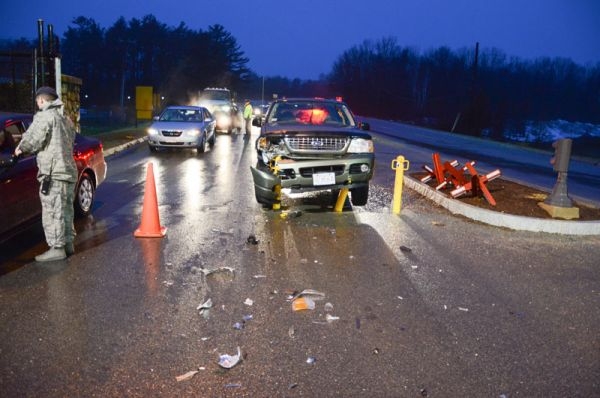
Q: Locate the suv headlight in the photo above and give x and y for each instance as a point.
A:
(360, 145)
(152, 131)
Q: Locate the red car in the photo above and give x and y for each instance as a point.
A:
(19, 197)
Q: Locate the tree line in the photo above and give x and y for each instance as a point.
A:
(475, 92)
(470, 91)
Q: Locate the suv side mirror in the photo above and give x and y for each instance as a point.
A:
(257, 121)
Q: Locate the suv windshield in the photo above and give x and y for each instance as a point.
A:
(311, 112)
(219, 95)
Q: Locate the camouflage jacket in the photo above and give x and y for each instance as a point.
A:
(51, 137)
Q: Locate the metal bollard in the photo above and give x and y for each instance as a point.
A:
(277, 204)
(400, 165)
(339, 203)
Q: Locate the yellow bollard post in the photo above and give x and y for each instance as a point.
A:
(339, 204)
(277, 190)
(400, 165)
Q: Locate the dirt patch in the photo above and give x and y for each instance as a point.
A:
(517, 199)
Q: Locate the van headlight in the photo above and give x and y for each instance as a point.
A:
(361, 145)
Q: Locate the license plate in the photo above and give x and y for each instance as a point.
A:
(324, 179)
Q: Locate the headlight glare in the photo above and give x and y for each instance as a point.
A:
(152, 131)
(193, 133)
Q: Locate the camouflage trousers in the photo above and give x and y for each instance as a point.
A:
(58, 213)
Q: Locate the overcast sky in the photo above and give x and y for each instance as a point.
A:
(304, 38)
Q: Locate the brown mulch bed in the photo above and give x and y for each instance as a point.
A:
(517, 199)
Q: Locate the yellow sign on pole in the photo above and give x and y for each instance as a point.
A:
(143, 102)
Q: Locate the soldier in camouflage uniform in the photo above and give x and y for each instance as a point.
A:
(51, 137)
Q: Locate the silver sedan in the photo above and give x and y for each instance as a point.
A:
(182, 127)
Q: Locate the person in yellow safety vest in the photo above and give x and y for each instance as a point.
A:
(248, 117)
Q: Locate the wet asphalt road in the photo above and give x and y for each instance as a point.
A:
(429, 304)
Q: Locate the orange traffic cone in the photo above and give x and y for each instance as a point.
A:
(150, 226)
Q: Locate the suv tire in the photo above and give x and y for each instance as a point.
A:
(360, 196)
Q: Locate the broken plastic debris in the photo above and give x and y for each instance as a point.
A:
(229, 361)
(310, 292)
(311, 360)
(463, 309)
(233, 385)
(238, 326)
(248, 302)
(328, 307)
(291, 332)
(246, 318)
(331, 318)
(186, 376)
(290, 214)
(259, 276)
(400, 297)
(252, 240)
(303, 303)
(220, 269)
(414, 266)
(205, 306)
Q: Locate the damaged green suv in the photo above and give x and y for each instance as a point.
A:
(310, 144)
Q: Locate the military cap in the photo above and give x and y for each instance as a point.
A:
(46, 90)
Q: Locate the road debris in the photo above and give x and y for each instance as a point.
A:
(248, 302)
(303, 303)
(315, 295)
(259, 276)
(233, 385)
(311, 360)
(252, 240)
(204, 307)
(405, 249)
(463, 309)
(290, 214)
(330, 318)
(328, 307)
(238, 326)
(247, 318)
(229, 361)
(291, 332)
(187, 375)
(207, 272)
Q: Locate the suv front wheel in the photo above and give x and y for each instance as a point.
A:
(360, 196)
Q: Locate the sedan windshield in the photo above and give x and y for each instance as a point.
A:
(181, 115)
(309, 112)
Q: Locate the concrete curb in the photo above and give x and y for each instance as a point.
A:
(112, 151)
(519, 223)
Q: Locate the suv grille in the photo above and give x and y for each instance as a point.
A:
(317, 144)
(170, 133)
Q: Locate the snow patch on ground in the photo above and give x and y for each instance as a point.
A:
(551, 131)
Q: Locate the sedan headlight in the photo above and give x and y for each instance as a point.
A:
(152, 131)
(360, 145)
(193, 133)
